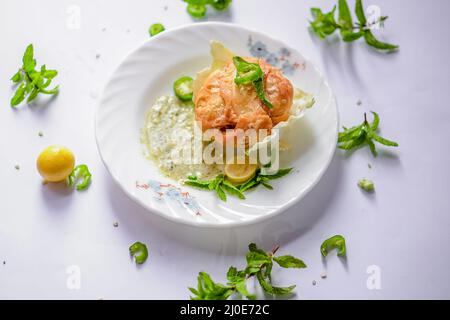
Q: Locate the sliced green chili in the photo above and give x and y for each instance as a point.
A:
(139, 251)
(246, 72)
(155, 29)
(196, 10)
(183, 88)
(80, 177)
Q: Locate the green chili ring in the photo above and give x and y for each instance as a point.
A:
(183, 88)
(197, 10)
(155, 29)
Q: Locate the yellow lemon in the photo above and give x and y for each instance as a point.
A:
(55, 163)
(239, 173)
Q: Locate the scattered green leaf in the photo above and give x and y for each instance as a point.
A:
(335, 242)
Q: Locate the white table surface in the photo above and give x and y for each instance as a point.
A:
(403, 228)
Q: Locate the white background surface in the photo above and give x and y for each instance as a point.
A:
(403, 228)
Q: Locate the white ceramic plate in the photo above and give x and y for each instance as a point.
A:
(149, 72)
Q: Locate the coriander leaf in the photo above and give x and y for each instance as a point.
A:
(289, 261)
(19, 95)
(268, 288)
(335, 242)
(139, 251)
(366, 185)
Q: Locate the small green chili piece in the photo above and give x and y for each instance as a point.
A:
(183, 88)
(197, 11)
(81, 172)
(155, 29)
(335, 242)
(139, 251)
(367, 185)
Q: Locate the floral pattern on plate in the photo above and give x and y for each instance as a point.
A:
(280, 58)
(171, 192)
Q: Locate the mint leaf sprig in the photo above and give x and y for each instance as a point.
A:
(364, 134)
(219, 184)
(32, 82)
(222, 186)
(325, 24)
(263, 179)
(259, 265)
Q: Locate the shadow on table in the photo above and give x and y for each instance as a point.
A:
(282, 229)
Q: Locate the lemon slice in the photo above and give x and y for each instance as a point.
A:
(55, 163)
(239, 173)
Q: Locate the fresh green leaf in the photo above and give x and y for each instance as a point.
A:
(17, 77)
(207, 289)
(220, 193)
(246, 73)
(139, 251)
(32, 82)
(364, 134)
(374, 42)
(280, 173)
(346, 23)
(28, 61)
(289, 261)
(384, 141)
(359, 10)
(335, 242)
(231, 189)
(198, 184)
(268, 288)
(323, 24)
(19, 95)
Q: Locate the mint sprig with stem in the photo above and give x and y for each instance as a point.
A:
(219, 184)
(325, 24)
(364, 134)
(222, 186)
(30, 81)
(259, 265)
